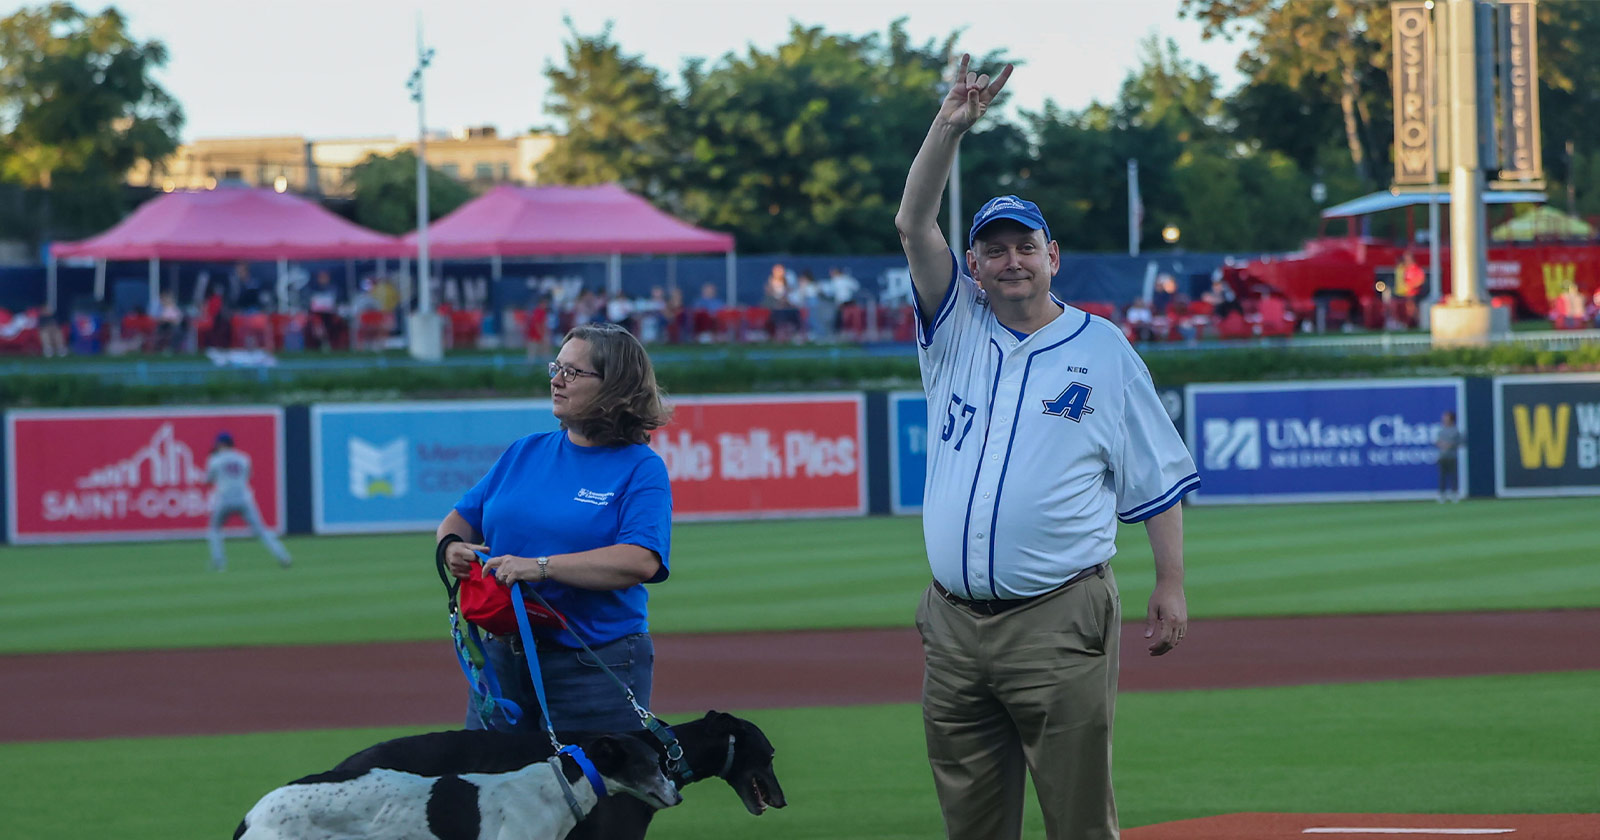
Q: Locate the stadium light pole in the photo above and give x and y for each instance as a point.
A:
(424, 330)
(1465, 319)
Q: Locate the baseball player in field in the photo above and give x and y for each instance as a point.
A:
(1044, 431)
(228, 473)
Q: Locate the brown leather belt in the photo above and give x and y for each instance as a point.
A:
(997, 606)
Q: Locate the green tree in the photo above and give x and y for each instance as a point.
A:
(1259, 201)
(385, 192)
(78, 108)
(805, 149)
(1080, 174)
(615, 111)
(1329, 53)
(1569, 95)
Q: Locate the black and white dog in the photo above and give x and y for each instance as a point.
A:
(528, 802)
(718, 744)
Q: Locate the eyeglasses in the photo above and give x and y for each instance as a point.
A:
(569, 373)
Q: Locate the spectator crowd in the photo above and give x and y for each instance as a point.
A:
(242, 312)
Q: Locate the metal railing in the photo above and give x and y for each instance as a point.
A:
(199, 369)
(1382, 343)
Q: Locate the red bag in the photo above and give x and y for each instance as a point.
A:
(486, 602)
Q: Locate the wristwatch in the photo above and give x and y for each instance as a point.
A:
(544, 568)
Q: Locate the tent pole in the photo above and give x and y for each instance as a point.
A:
(99, 280)
(283, 284)
(731, 262)
(672, 272)
(494, 266)
(155, 285)
(614, 275)
(50, 282)
(404, 286)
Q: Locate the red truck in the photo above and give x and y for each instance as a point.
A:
(1351, 276)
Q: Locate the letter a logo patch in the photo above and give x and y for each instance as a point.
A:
(1072, 403)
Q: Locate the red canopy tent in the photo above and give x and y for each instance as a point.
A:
(230, 223)
(605, 220)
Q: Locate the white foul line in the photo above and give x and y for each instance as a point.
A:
(1409, 831)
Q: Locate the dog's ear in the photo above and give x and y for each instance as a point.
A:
(604, 751)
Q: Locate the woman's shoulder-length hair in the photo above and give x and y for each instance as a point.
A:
(630, 404)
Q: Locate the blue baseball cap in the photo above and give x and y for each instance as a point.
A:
(224, 437)
(1007, 207)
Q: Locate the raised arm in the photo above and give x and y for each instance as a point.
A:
(917, 221)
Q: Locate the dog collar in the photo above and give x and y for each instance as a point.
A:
(566, 788)
(727, 764)
(587, 766)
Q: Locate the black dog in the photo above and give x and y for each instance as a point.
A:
(716, 745)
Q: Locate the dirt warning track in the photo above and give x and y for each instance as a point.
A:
(232, 690)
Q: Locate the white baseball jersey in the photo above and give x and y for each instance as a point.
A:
(1036, 446)
(228, 470)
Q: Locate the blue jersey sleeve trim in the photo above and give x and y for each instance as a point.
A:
(1161, 503)
(947, 305)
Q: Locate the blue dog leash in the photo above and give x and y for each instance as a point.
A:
(677, 767)
(482, 682)
(531, 654)
(487, 695)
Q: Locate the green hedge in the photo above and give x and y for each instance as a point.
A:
(723, 370)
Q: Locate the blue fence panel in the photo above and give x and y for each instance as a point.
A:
(908, 455)
(403, 466)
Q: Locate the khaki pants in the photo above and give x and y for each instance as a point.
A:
(1033, 688)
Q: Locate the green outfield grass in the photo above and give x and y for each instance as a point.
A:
(1479, 745)
(1243, 561)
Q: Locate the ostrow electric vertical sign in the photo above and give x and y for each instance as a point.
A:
(1321, 441)
(1425, 45)
(1547, 440)
(1413, 93)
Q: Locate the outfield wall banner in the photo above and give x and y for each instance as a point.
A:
(83, 475)
(1321, 441)
(758, 456)
(1547, 435)
(402, 466)
(908, 450)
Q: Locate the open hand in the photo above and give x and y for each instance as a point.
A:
(970, 95)
(1166, 619)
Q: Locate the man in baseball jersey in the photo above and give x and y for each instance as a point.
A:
(1049, 431)
(228, 473)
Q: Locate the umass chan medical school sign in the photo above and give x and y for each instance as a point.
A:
(1413, 94)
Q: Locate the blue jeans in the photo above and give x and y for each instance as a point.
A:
(581, 697)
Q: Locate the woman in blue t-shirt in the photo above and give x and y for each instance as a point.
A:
(584, 517)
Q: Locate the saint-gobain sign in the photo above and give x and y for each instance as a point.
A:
(125, 474)
(1321, 441)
